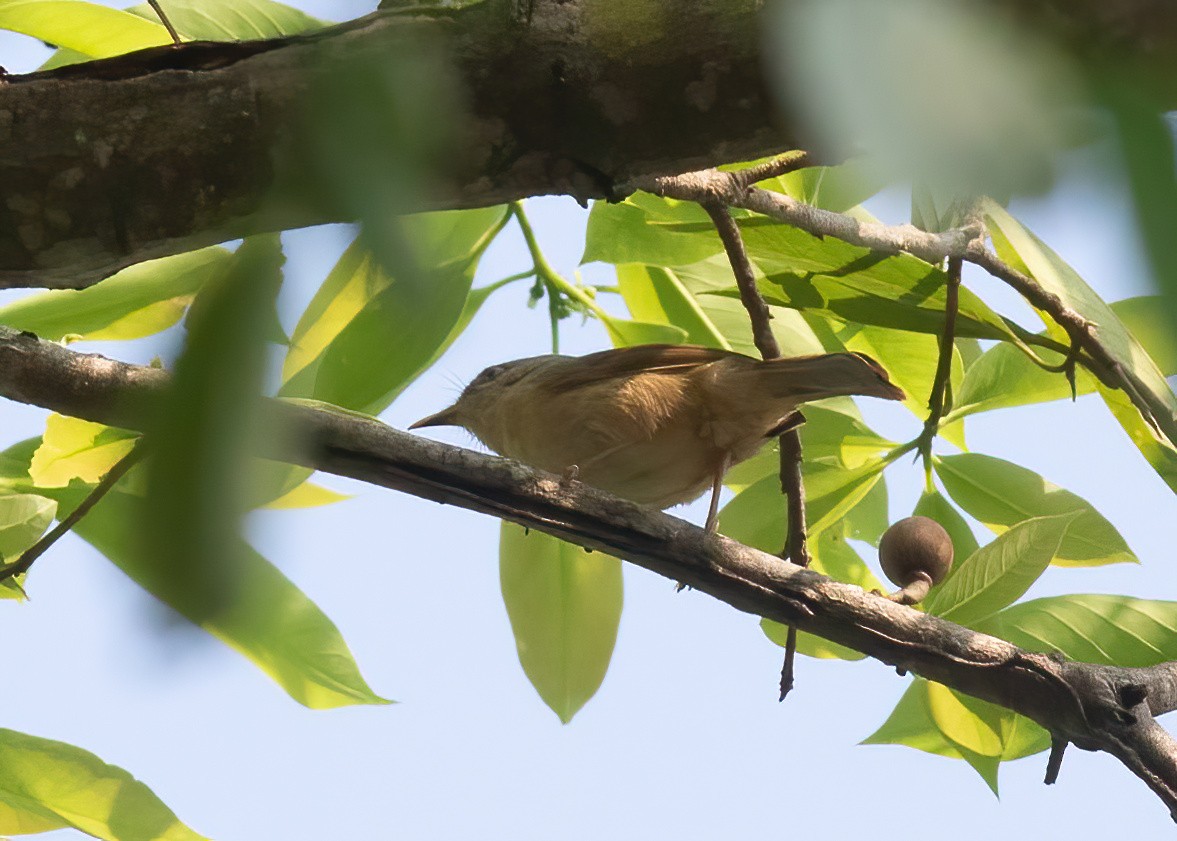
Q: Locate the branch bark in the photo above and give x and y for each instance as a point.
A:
(112, 162)
(1095, 707)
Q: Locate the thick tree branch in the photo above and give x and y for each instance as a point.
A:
(1094, 707)
(111, 162)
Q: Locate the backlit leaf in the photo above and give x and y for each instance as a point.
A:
(564, 603)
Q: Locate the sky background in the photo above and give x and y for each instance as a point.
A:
(685, 740)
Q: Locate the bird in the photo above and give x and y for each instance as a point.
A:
(656, 424)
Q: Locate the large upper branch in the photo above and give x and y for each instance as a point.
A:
(1095, 707)
(112, 162)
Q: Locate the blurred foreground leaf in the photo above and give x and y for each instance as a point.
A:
(203, 435)
(271, 622)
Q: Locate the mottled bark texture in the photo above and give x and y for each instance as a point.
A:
(112, 162)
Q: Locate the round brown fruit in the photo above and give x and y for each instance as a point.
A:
(915, 545)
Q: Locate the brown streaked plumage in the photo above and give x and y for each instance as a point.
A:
(657, 424)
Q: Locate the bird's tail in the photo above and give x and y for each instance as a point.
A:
(805, 378)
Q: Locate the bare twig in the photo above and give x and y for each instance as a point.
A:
(22, 564)
(790, 437)
(939, 400)
(167, 23)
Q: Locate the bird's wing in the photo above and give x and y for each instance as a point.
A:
(622, 363)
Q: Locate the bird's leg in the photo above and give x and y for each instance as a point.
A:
(716, 487)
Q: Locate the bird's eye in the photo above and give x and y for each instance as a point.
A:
(488, 375)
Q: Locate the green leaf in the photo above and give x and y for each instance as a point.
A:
(833, 432)
(1004, 376)
(232, 20)
(756, 515)
(910, 724)
(47, 785)
(138, 301)
(1001, 494)
(641, 230)
(1159, 452)
(911, 360)
(869, 518)
(1112, 630)
(270, 621)
(657, 295)
(23, 519)
(626, 333)
(942, 721)
(306, 495)
(72, 448)
(795, 335)
(997, 574)
(565, 605)
(835, 279)
(964, 543)
(89, 28)
(1013, 241)
(366, 335)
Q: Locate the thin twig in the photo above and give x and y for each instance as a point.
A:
(164, 19)
(22, 564)
(790, 439)
(774, 168)
(939, 400)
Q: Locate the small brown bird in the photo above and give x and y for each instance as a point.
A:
(657, 424)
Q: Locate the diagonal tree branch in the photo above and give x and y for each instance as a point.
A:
(955, 244)
(1095, 707)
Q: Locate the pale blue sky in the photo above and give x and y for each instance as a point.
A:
(685, 741)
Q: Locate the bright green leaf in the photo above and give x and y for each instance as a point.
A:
(997, 574)
(657, 295)
(274, 624)
(366, 335)
(641, 230)
(89, 28)
(72, 448)
(564, 603)
(626, 333)
(232, 20)
(756, 516)
(138, 301)
(23, 519)
(910, 724)
(1001, 494)
(794, 333)
(1014, 241)
(1112, 630)
(1159, 452)
(48, 785)
(911, 360)
(307, 495)
(852, 284)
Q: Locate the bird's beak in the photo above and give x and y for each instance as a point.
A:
(446, 417)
